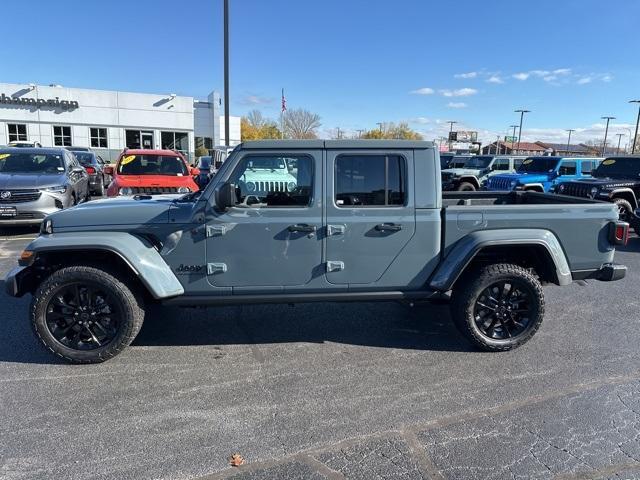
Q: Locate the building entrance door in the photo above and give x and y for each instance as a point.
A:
(139, 139)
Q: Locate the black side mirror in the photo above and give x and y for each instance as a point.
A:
(226, 196)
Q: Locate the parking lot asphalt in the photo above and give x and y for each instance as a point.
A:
(357, 391)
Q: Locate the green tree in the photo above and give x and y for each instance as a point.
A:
(201, 152)
(255, 126)
(390, 130)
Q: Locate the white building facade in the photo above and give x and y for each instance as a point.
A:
(109, 121)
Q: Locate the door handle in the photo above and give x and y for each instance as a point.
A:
(388, 227)
(302, 227)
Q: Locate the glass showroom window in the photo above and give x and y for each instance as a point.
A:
(206, 142)
(17, 132)
(98, 137)
(62, 136)
(175, 141)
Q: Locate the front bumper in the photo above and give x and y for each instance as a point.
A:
(34, 212)
(18, 281)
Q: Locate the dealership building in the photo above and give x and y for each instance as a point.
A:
(109, 121)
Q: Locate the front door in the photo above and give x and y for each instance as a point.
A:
(272, 238)
(147, 140)
(370, 213)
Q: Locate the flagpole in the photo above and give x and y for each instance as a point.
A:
(282, 109)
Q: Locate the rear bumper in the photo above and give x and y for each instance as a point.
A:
(609, 272)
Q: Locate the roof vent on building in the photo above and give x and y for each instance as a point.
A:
(55, 85)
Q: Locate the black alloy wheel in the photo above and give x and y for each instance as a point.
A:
(503, 310)
(498, 307)
(87, 313)
(83, 316)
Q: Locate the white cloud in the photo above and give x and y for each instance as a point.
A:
(495, 79)
(460, 92)
(420, 120)
(546, 75)
(584, 80)
(466, 75)
(456, 105)
(607, 78)
(423, 91)
(521, 76)
(562, 71)
(255, 100)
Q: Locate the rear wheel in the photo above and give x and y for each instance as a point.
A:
(100, 188)
(498, 307)
(625, 210)
(466, 187)
(85, 315)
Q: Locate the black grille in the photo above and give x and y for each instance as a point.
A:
(575, 189)
(18, 196)
(154, 190)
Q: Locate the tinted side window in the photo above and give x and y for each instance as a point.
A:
(517, 162)
(370, 180)
(587, 167)
(568, 168)
(274, 180)
(501, 164)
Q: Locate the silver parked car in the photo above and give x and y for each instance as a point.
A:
(35, 182)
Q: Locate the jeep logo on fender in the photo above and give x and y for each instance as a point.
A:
(189, 268)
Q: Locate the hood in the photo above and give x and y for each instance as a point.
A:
(115, 211)
(523, 178)
(153, 180)
(607, 182)
(10, 181)
(460, 172)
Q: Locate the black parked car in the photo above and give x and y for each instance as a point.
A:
(617, 180)
(94, 165)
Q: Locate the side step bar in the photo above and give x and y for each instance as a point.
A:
(204, 300)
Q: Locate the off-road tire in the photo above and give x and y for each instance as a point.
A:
(470, 287)
(621, 204)
(130, 302)
(466, 187)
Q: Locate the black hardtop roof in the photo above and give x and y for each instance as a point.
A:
(336, 144)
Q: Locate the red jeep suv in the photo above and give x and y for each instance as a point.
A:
(151, 172)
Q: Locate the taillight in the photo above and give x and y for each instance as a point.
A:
(90, 170)
(619, 233)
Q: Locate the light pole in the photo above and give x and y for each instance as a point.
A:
(619, 135)
(606, 131)
(521, 112)
(633, 149)
(226, 73)
(451, 123)
(513, 135)
(570, 130)
(380, 126)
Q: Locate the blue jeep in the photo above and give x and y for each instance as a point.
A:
(543, 174)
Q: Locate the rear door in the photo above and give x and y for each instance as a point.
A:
(370, 213)
(568, 170)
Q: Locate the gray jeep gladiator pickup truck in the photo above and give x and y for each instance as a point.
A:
(364, 220)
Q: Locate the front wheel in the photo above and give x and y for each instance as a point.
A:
(85, 315)
(466, 187)
(498, 307)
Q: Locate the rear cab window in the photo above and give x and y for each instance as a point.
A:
(370, 181)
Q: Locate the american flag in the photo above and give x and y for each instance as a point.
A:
(284, 102)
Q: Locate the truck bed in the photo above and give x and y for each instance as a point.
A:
(581, 225)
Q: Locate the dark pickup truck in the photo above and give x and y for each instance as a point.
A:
(363, 221)
(617, 180)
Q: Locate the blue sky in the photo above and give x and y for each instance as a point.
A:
(354, 62)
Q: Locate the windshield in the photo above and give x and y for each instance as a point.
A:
(152, 165)
(267, 163)
(539, 164)
(36, 163)
(85, 158)
(618, 167)
(478, 162)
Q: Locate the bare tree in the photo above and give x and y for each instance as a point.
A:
(256, 119)
(301, 123)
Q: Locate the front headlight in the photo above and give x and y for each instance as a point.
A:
(46, 226)
(291, 186)
(251, 186)
(594, 191)
(58, 189)
(184, 190)
(513, 183)
(561, 188)
(125, 191)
